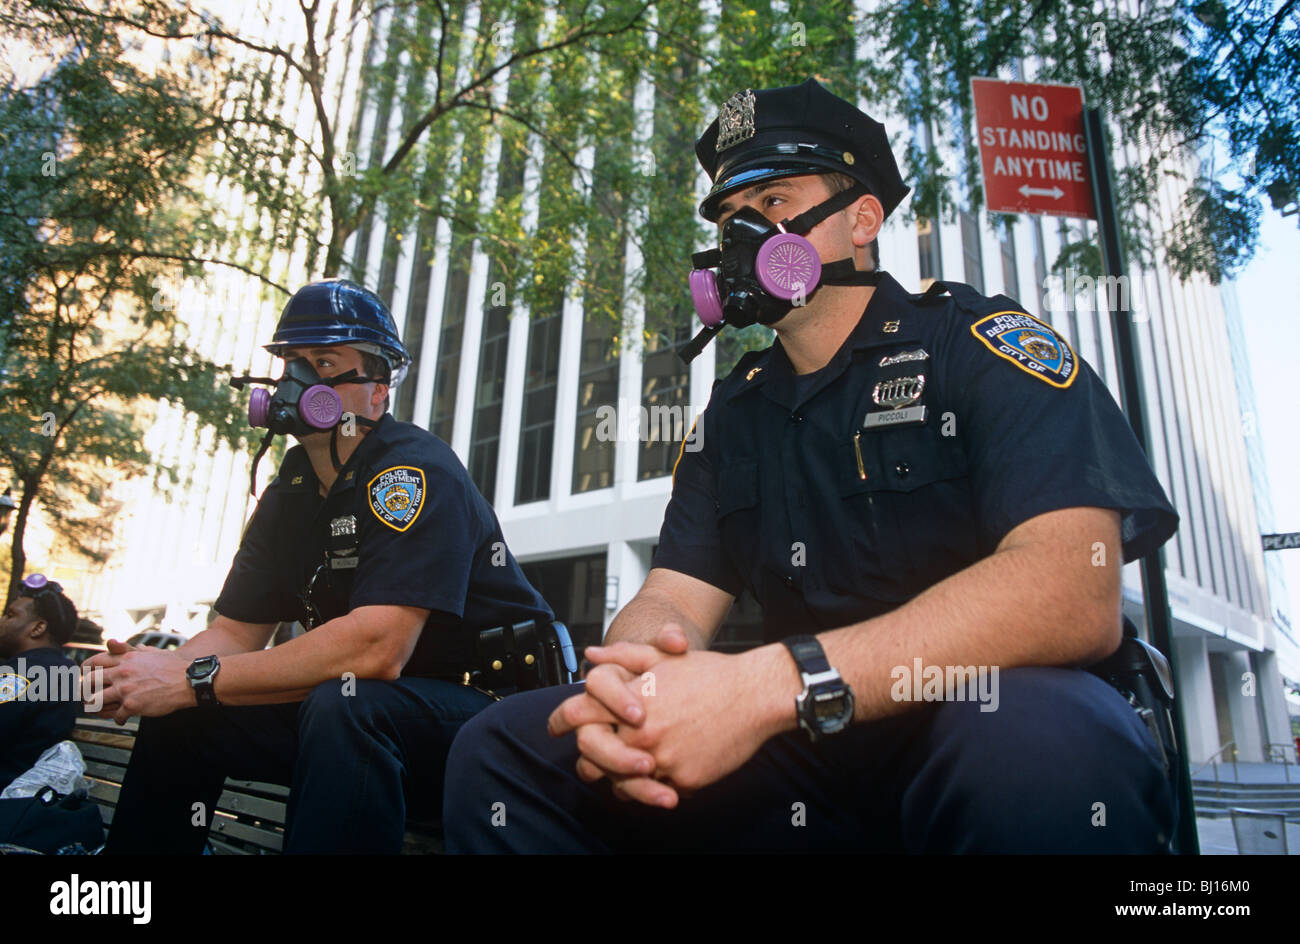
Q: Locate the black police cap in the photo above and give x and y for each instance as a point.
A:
(797, 129)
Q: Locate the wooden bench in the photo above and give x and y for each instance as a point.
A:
(249, 818)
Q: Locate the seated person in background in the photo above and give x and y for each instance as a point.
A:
(35, 712)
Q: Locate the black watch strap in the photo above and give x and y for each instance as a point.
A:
(201, 678)
(808, 654)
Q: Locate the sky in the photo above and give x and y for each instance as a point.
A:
(1269, 295)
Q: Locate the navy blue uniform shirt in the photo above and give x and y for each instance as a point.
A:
(403, 525)
(832, 508)
(38, 707)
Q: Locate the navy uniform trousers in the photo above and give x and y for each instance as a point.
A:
(1062, 765)
(349, 760)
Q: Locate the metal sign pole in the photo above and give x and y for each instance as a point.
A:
(1155, 596)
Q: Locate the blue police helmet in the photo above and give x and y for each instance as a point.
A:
(339, 311)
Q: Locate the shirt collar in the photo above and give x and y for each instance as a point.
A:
(297, 473)
(889, 318)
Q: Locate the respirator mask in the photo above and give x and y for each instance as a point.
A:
(303, 403)
(761, 270)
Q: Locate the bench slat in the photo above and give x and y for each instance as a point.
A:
(266, 810)
(106, 748)
(263, 838)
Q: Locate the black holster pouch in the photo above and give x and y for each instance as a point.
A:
(524, 656)
(1141, 673)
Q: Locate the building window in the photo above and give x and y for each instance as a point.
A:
(666, 401)
(593, 457)
(1010, 271)
(485, 435)
(537, 429)
(971, 251)
(927, 245)
(447, 375)
(575, 589)
(413, 332)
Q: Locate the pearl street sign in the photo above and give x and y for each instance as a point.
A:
(1281, 542)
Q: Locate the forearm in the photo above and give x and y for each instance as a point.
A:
(645, 616)
(973, 618)
(216, 640)
(290, 671)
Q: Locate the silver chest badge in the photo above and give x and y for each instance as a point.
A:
(898, 396)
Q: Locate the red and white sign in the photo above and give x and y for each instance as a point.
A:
(1032, 148)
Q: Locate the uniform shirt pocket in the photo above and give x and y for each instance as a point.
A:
(906, 497)
(739, 520)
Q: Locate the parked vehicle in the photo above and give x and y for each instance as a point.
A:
(157, 640)
(79, 652)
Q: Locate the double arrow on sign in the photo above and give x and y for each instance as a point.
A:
(1055, 193)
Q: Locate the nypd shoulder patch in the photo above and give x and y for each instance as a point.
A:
(396, 496)
(1029, 344)
(11, 687)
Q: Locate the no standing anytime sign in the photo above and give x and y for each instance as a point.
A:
(1032, 148)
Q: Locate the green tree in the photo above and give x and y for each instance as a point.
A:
(98, 203)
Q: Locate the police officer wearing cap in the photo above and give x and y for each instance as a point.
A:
(930, 497)
(372, 535)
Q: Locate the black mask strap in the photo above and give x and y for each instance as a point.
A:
(239, 382)
(806, 220)
(843, 272)
(691, 350)
(261, 451)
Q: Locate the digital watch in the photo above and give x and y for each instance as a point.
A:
(825, 706)
(202, 672)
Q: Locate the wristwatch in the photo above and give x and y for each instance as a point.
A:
(825, 706)
(201, 673)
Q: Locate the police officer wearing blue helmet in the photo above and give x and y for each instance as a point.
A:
(930, 497)
(374, 537)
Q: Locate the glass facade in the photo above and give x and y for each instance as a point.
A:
(927, 247)
(971, 252)
(666, 402)
(537, 427)
(575, 589)
(489, 394)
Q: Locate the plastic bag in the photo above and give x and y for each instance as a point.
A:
(61, 767)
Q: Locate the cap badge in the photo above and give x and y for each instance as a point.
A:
(736, 120)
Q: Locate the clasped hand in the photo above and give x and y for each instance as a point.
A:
(658, 720)
(141, 680)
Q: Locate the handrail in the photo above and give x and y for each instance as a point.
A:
(1213, 760)
(1285, 750)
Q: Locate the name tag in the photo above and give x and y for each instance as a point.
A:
(906, 416)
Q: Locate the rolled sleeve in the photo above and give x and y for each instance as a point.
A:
(1035, 447)
(428, 563)
(253, 591)
(689, 540)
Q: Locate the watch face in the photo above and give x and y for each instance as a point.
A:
(832, 708)
(200, 667)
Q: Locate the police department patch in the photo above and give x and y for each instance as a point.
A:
(1029, 344)
(11, 687)
(397, 495)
